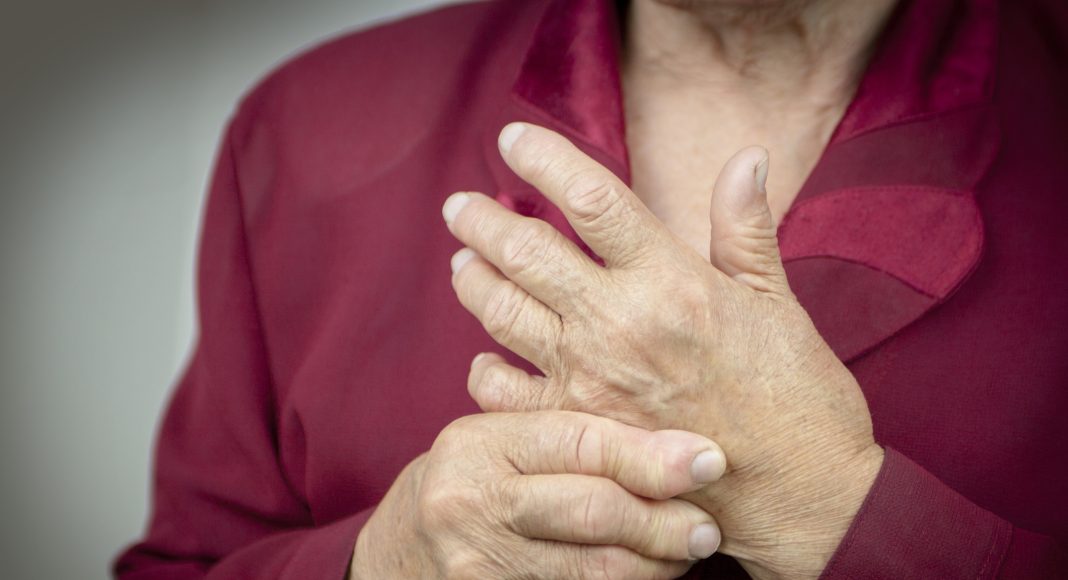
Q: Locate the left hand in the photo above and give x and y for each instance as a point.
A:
(661, 338)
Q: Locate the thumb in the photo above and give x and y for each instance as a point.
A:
(744, 242)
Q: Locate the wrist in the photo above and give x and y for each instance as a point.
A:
(800, 537)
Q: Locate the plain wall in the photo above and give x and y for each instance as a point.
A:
(110, 112)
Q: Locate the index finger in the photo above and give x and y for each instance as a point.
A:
(652, 464)
(603, 210)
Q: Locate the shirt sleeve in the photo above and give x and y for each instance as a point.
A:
(911, 525)
(222, 505)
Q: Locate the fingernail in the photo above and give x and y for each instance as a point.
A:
(761, 174)
(478, 357)
(460, 258)
(509, 134)
(453, 205)
(704, 541)
(708, 466)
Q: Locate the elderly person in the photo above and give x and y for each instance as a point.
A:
(848, 362)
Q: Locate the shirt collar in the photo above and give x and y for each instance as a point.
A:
(570, 73)
(886, 227)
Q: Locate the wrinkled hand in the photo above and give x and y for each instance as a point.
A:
(661, 338)
(544, 495)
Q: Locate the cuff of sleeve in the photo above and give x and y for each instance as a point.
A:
(911, 525)
(321, 552)
(327, 551)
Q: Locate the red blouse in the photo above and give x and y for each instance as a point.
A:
(332, 349)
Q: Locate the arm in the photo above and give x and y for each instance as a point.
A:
(911, 525)
(221, 500)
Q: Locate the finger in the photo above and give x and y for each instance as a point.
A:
(745, 243)
(594, 510)
(585, 562)
(514, 318)
(653, 464)
(500, 387)
(529, 251)
(601, 208)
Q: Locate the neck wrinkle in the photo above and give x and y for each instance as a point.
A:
(816, 49)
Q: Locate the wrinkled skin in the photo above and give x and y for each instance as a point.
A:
(548, 494)
(661, 338)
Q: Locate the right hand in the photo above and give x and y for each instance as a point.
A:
(548, 494)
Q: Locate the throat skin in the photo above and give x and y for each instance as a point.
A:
(703, 79)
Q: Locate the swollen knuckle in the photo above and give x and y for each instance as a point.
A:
(660, 481)
(686, 312)
(590, 195)
(440, 504)
(503, 311)
(692, 296)
(525, 247)
(462, 425)
(659, 487)
(495, 377)
(494, 386)
(465, 564)
(458, 433)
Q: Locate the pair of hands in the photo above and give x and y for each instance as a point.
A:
(657, 338)
(547, 494)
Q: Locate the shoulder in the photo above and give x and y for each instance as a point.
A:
(399, 67)
(344, 113)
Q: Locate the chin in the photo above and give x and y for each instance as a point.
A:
(733, 5)
(725, 9)
(730, 4)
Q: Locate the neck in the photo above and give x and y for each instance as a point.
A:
(799, 51)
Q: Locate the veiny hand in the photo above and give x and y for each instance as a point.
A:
(661, 338)
(548, 494)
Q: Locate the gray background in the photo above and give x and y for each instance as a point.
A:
(110, 111)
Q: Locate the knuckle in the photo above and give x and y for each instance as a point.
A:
(496, 377)
(461, 426)
(658, 486)
(608, 563)
(442, 504)
(587, 449)
(693, 298)
(591, 446)
(590, 195)
(495, 388)
(526, 246)
(684, 314)
(658, 480)
(600, 512)
(503, 311)
(518, 511)
(458, 432)
(465, 564)
(666, 529)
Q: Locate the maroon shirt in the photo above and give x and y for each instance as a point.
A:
(928, 245)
